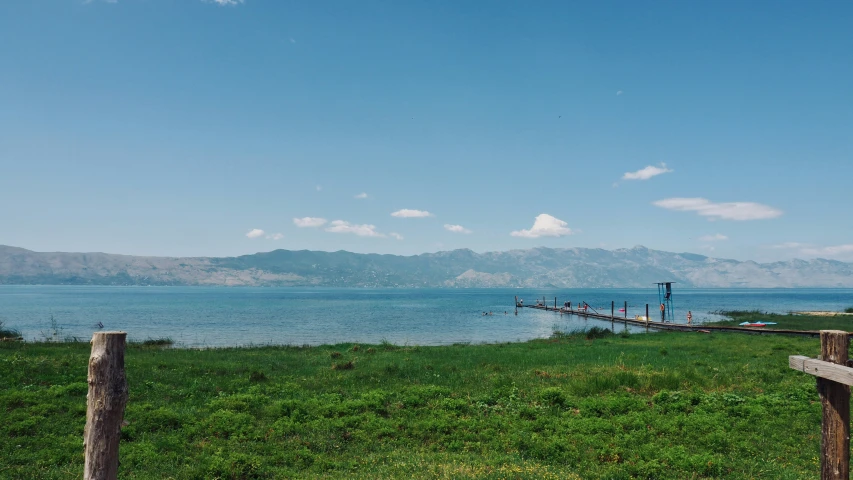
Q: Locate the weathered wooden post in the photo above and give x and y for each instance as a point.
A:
(833, 384)
(647, 318)
(612, 314)
(105, 406)
(555, 303)
(626, 308)
(835, 399)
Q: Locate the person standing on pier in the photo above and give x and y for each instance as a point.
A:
(662, 312)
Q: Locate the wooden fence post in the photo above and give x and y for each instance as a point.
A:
(105, 405)
(626, 308)
(835, 399)
(647, 317)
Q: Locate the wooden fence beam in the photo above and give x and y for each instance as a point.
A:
(819, 368)
(105, 406)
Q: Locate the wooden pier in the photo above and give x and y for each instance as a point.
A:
(682, 327)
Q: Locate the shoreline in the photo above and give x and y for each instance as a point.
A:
(823, 313)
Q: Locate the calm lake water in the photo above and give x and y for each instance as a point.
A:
(217, 316)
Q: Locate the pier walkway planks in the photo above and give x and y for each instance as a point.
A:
(678, 326)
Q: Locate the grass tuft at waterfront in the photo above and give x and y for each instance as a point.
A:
(8, 332)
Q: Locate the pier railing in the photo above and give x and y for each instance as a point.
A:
(648, 323)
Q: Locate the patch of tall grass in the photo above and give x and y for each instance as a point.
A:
(8, 333)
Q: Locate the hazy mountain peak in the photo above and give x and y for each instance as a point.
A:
(536, 267)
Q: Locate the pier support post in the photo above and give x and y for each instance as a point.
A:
(105, 406)
(612, 314)
(835, 399)
(626, 308)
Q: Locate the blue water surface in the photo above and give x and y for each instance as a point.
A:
(221, 316)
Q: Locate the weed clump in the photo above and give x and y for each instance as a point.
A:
(371, 350)
(257, 376)
(8, 333)
(343, 365)
(553, 396)
(355, 348)
(848, 310)
(598, 332)
(335, 354)
(158, 342)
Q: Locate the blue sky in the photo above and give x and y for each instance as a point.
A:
(185, 127)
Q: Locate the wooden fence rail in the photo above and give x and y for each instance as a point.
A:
(833, 384)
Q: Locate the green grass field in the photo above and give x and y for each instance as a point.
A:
(787, 321)
(661, 405)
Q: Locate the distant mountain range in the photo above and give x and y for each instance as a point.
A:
(536, 267)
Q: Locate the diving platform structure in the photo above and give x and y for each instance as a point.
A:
(665, 299)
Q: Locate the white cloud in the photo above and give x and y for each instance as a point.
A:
(309, 222)
(361, 195)
(713, 238)
(275, 236)
(319, 187)
(830, 251)
(844, 252)
(292, 40)
(406, 213)
(790, 245)
(456, 228)
(710, 248)
(545, 226)
(340, 226)
(255, 233)
(647, 173)
(225, 2)
(725, 211)
(619, 92)
(396, 235)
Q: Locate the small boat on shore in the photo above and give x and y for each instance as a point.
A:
(756, 324)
